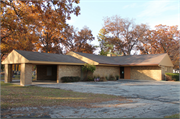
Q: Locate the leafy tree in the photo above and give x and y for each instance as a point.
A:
(53, 21)
(105, 47)
(17, 26)
(164, 39)
(79, 41)
(82, 41)
(123, 33)
(35, 25)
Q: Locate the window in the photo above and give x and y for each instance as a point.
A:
(49, 71)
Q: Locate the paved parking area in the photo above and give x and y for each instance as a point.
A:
(151, 99)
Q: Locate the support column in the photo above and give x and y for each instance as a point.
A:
(36, 73)
(58, 74)
(26, 74)
(8, 73)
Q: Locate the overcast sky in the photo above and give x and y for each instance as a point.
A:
(151, 12)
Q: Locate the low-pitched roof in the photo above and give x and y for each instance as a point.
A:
(78, 58)
(98, 58)
(19, 56)
(150, 59)
(131, 60)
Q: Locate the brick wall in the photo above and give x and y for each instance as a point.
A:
(8, 73)
(67, 70)
(42, 71)
(104, 71)
(26, 74)
(146, 73)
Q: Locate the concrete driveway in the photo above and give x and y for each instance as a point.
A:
(151, 99)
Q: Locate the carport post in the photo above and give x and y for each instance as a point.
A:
(26, 74)
(8, 73)
(58, 75)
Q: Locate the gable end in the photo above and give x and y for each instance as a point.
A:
(15, 58)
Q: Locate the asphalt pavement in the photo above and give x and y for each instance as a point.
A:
(151, 99)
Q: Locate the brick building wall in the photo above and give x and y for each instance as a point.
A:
(26, 74)
(67, 70)
(46, 72)
(146, 73)
(104, 71)
(8, 73)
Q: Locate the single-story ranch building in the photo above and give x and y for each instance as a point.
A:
(54, 66)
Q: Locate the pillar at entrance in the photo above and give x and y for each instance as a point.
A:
(26, 74)
(58, 75)
(8, 73)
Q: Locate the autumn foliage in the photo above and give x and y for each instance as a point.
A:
(128, 37)
(79, 41)
(164, 39)
(41, 26)
(35, 25)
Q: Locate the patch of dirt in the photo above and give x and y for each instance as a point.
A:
(35, 113)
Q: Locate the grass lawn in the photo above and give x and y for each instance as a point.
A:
(31, 96)
(173, 116)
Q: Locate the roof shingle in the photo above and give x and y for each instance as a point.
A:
(151, 59)
(49, 57)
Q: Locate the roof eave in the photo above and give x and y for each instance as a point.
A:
(108, 64)
(139, 64)
(55, 63)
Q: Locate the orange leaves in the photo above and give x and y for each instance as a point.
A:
(24, 22)
(164, 39)
(78, 41)
(123, 33)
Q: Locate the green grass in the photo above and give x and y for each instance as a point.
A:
(173, 116)
(18, 96)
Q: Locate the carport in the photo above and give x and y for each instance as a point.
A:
(49, 67)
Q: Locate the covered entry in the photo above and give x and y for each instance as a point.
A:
(121, 72)
(46, 66)
(125, 72)
(46, 73)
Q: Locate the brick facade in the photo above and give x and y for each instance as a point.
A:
(26, 74)
(42, 72)
(146, 73)
(104, 71)
(67, 70)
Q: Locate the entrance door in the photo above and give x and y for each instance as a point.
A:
(121, 72)
(127, 72)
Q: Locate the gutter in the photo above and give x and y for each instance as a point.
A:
(130, 64)
(139, 64)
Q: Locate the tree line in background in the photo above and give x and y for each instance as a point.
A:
(41, 26)
(122, 37)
